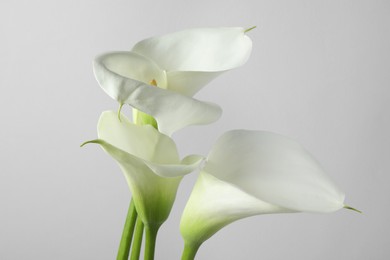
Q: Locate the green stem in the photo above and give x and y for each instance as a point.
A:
(136, 248)
(189, 251)
(150, 243)
(127, 235)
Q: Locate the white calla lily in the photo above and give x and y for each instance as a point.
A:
(254, 172)
(196, 56)
(149, 161)
(180, 63)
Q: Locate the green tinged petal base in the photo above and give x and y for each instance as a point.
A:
(149, 161)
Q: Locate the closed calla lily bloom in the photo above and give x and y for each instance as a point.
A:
(179, 64)
(149, 161)
(249, 173)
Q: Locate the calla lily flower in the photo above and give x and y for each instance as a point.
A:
(180, 64)
(149, 161)
(249, 173)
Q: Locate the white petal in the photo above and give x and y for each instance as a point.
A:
(144, 142)
(167, 170)
(214, 204)
(200, 49)
(275, 169)
(187, 165)
(119, 73)
(153, 195)
(189, 82)
(126, 141)
(171, 110)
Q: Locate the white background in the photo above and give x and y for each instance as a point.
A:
(319, 72)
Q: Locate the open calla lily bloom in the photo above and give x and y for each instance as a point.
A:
(193, 57)
(253, 172)
(150, 162)
(180, 64)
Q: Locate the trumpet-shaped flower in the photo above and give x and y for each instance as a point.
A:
(250, 173)
(149, 161)
(180, 64)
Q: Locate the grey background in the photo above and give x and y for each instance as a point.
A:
(319, 72)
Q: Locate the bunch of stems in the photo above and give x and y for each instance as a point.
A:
(132, 237)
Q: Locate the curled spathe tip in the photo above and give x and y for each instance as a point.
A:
(95, 141)
(353, 209)
(250, 29)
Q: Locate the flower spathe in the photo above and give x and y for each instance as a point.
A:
(180, 63)
(149, 161)
(194, 57)
(255, 172)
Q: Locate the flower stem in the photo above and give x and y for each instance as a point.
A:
(127, 235)
(150, 244)
(136, 248)
(189, 251)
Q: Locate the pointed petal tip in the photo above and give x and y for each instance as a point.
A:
(250, 29)
(353, 209)
(119, 111)
(95, 141)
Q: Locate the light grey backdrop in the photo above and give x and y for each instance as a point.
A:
(319, 73)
